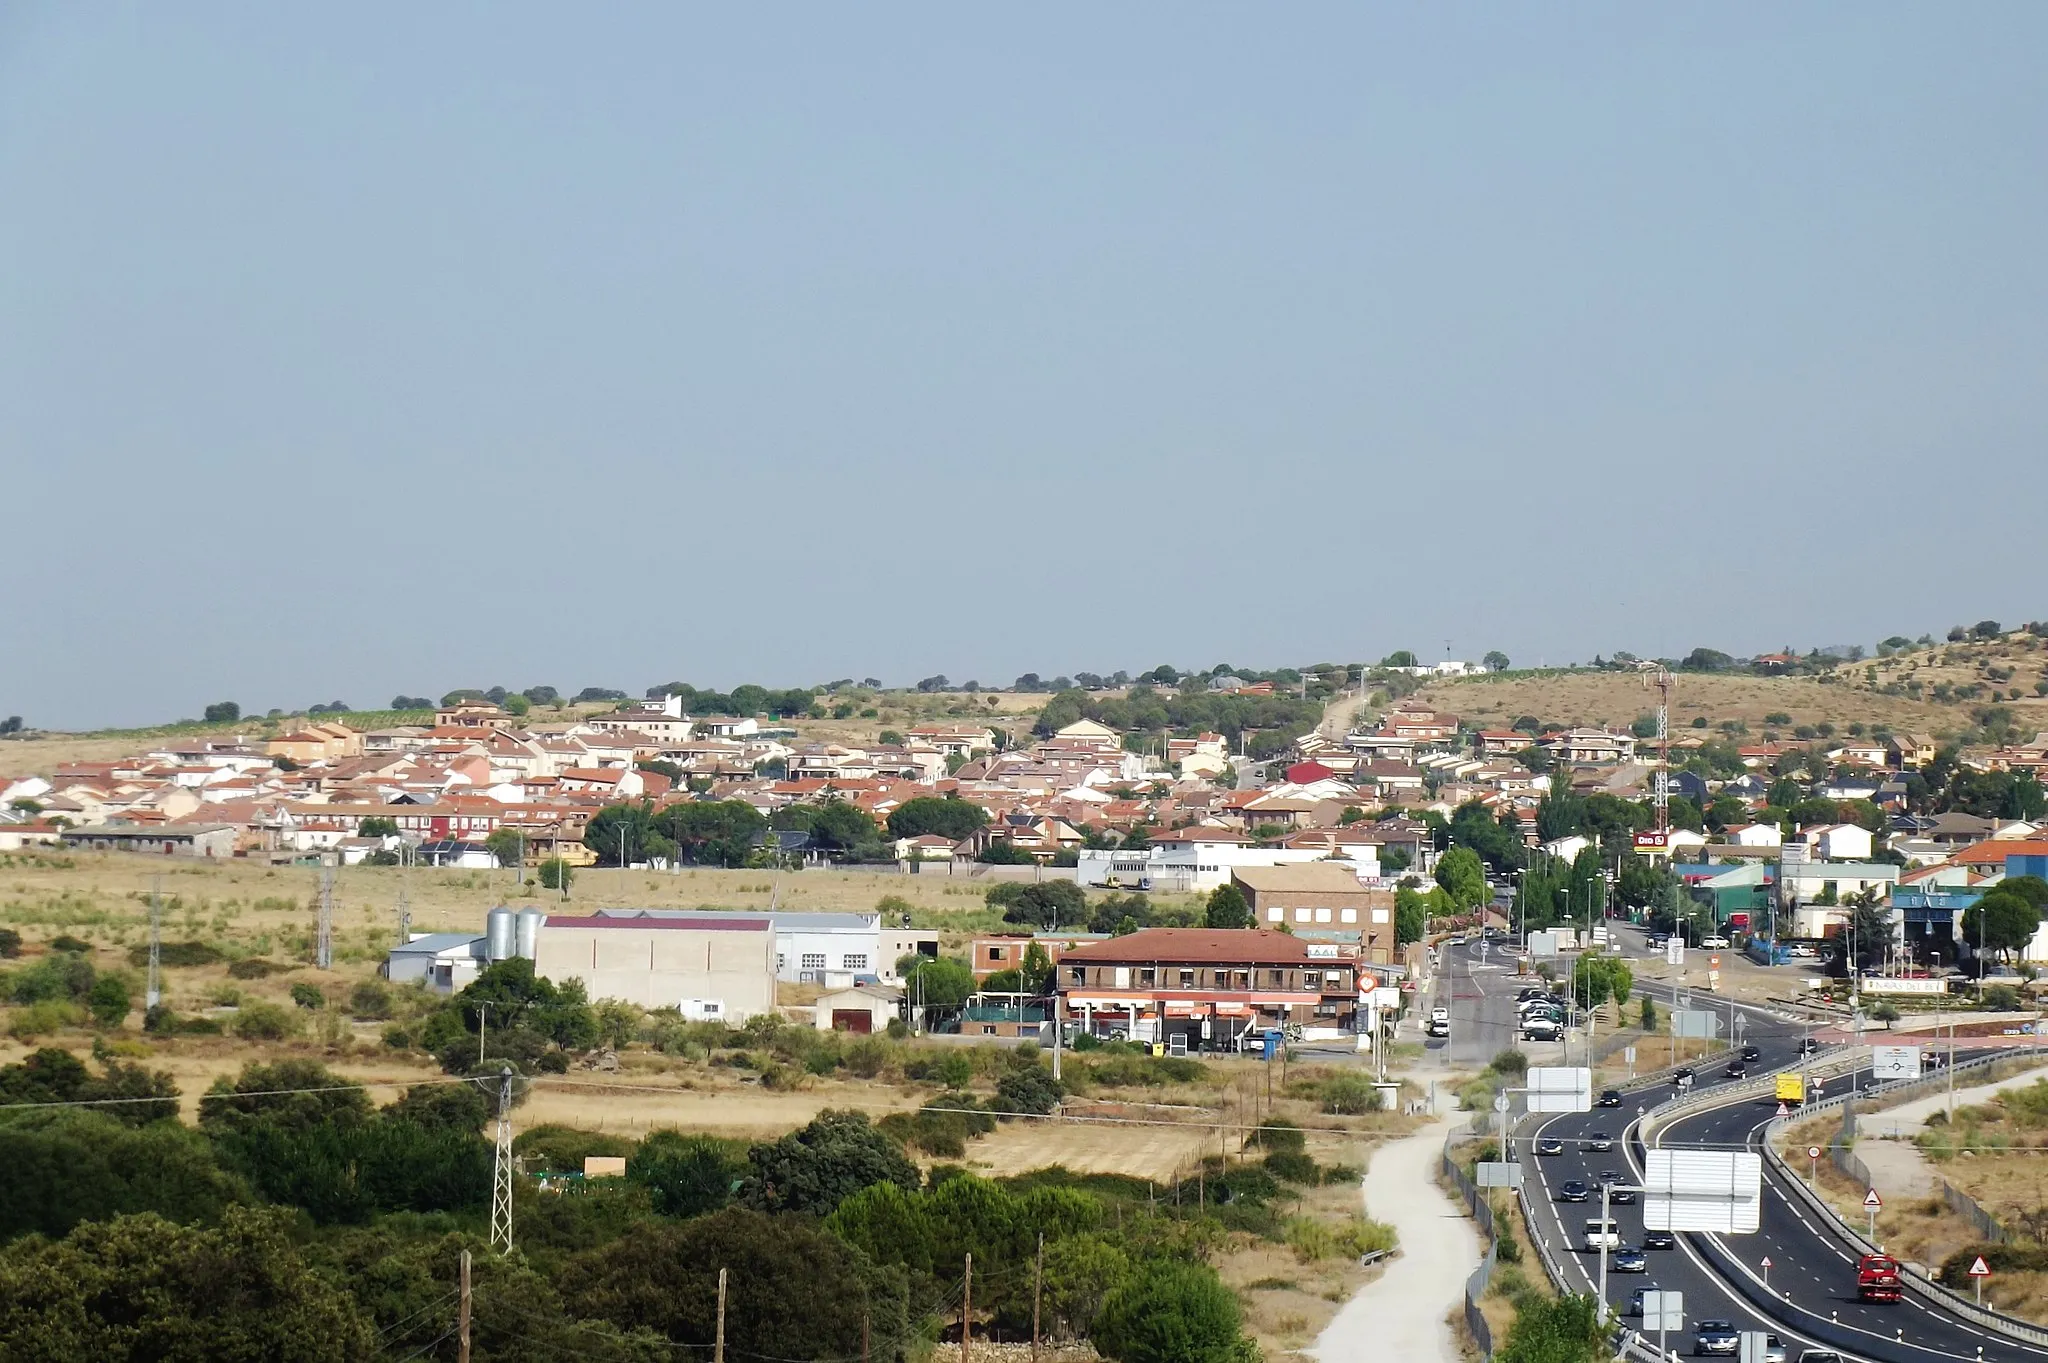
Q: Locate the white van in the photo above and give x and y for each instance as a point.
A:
(1602, 1235)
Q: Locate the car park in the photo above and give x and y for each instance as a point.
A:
(1571, 1190)
(1659, 1239)
(1628, 1259)
(1550, 1145)
(1610, 1098)
(1711, 1337)
(1597, 1140)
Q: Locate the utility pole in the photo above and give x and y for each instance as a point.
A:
(323, 950)
(967, 1311)
(154, 994)
(718, 1348)
(462, 1315)
(1037, 1287)
(501, 1169)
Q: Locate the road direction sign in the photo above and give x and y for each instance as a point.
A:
(1663, 1310)
(1495, 1174)
(1695, 1022)
(1888, 1063)
(1674, 951)
(1558, 1088)
(1980, 1269)
(1717, 1191)
(1872, 1201)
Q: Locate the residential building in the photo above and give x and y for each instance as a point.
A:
(163, 839)
(1321, 894)
(1197, 988)
(862, 1010)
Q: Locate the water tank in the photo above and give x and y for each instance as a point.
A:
(529, 931)
(500, 934)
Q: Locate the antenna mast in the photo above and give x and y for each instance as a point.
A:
(1660, 675)
(323, 949)
(501, 1168)
(153, 994)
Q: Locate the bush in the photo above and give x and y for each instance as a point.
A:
(256, 968)
(42, 1018)
(307, 995)
(1175, 1312)
(1279, 1134)
(110, 1001)
(176, 954)
(265, 1022)
(2002, 998)
(76, 945)
(369, 1001)
(10, 943)
(1031, 1090)
(1509, 1062)
(1348, 1095)
(1294, 1166)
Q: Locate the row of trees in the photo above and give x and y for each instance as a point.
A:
(1267, 725)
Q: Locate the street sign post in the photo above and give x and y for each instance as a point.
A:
(1674, 951)
(1756, 1347)
(1629, 1053)
(1892, 1063)
(1500, 1174)
(1979, 1271)
(1767, 1273)
(1871, 1203)
(1812, 1163)
(1663, 1311)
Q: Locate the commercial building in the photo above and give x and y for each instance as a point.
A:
(837, 950)
(1204, 988)
(1188, 861)
(445, 962)
(1322, 894)
(165, 840)
(714, 967)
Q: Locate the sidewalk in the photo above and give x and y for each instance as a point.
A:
(1402, 1313)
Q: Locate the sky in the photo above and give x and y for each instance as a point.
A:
(350, 351)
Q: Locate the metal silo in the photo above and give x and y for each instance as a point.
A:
(529, 931)
(500, 934)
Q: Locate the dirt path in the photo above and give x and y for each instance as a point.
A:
(1401, 1314)
(1897, 1167)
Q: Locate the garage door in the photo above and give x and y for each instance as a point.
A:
(853, 1020)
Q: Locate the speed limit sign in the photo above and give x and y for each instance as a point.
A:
(1813, 1152)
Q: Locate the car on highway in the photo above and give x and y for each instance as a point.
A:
(1550, 1145)
(1680, 1078)
(1820, 1356)
(1711, 1337)
(1736, 1070)
(1635, 1301)
(1571, 1190)
(1774, 1349)
(1807, 1045)
(1752, 1054)
(1612, 1181)
(1610, 1098)
(1597, 1140)
(1659, 1239)
(1602, 1235)
(1628, 1259)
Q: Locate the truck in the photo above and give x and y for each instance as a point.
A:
(1877, 1278)
(1792, 1088)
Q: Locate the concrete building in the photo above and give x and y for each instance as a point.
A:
(714, 967)
(837, 950)
(1199, 988)
(445, 962)
(166, 840)
(1321, 895)
(862, 1010)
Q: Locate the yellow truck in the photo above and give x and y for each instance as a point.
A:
(1792, 1088)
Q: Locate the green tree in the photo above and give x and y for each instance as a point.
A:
(293, 1096)
(1496, 661)
(951, 817)
(516, 704)
(1045, 903)
(685, 1176)
(2004, 921)
(555, 874)
(624, 834)
(68, 1166)
(1564, 1329)
(141, 1287)
(938, 983)
(223, 712)
(1463, 877)
(110, 1001)
(1173, 1312)
(813, 1169)
(1227, 908)
(713, 832)
(377, 826)
(508, 845)
(1411, 915)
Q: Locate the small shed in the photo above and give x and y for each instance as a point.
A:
(863, 1009)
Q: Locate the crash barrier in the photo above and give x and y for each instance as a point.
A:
(1917, 1282)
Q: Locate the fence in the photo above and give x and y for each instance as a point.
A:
(1482, 1212)
(1967, 1207)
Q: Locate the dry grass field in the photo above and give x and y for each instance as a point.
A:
(1856, 693)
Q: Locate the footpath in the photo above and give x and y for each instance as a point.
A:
(1402, 1314)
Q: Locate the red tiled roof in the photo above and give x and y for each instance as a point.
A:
(1252, 946)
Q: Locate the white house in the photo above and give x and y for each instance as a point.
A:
(1196, 867)
(1840, 842)
(1757, 835)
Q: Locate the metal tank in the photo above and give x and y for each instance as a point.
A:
(501, 934)
(529, 931)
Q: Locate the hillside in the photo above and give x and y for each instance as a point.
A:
(1945, 690)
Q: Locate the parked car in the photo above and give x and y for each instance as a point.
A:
(1436, 1028)
(1541, 1029)
(1714, 943)
(1801, 951)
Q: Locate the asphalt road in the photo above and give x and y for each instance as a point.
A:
(1810, 1301)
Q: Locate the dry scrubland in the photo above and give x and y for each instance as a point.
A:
(1855, 693)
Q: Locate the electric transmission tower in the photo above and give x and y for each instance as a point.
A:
(1660, 676)
(323, 948)
(153, 992)
(501, 1168)
(405, 899)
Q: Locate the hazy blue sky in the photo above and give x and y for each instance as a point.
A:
(368, 349)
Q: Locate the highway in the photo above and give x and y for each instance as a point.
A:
(1811, 1299)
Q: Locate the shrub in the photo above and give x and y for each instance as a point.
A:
(110, 1001)
(10, 943)
(1347, 1095)
(176, 954)
(1176, 1312)
(75, 945)
(1279, 1134)
(256, 968)
(265, 1022)
(307, 995)
(2002, 998)
(369, 1001)
(1031, 1090)
(1294, 1166)
(43, 1017)
(1509, 1062)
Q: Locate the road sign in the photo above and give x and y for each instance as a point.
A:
(1767, 1263)
(1980, 1269)
(1872, 1201)
(1557, 1088)
(1813, 1152)
(1717, 1191)
(1663, 1310)
(1629, 1054)
(1500, 1102)
(1756, 1347)
(1495, 1174)
(1695, 1022)
(1713, 962)
(1888, 1063)
(1784, 1110)
(1674, 951)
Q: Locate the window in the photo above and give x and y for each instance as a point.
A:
(1301, 915)
(1322, 915)
(1244, 979)
(1348, 916)
(1187, 979)
(996, 953)
(1276, 979)
(1078, 975)
(858, 961)
(1333, 977)
(814, 960)
(1276, 915)
(1147, 977)
(781, 961)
